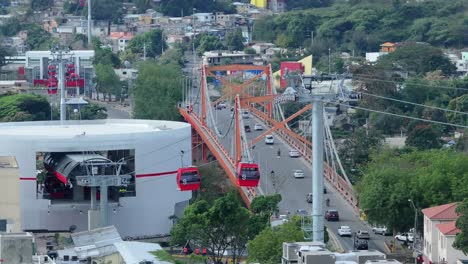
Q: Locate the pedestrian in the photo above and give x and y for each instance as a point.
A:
(279, 152)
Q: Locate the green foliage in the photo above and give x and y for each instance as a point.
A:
(110, 10)
(104, 55)
(429, 178)
(461, 240)
(458, 104)
(364, 25)
(214, 184)
(423, 137)
(154, 41)
(40, 5)
(235, 41)
(267, 246)
(207, 42)
(11, 27)
(223, 224)
(417, 59)
(356, 150)
(24, 107)
(163, 255)
(90, 111)
(157, 90)
(107, 81)
(179, 7)
(172, 56)
(38, 38)
(249, 51)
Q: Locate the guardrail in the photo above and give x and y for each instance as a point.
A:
(330, 175)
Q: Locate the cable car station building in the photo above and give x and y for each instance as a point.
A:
(61, 169)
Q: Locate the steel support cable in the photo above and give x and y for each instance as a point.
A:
(245, 145)
(416, 104)
(337, 157)
(327, 138)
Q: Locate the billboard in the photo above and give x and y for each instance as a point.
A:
(289, 68)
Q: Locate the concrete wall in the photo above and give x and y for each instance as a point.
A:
(9, 196)
(16, 248)
(145, 214)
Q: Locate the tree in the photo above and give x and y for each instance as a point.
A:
(24, 107)
(461, 240)
(416, 59)
(104, 55)
(107, 81)
(235, 40)
(459, 104)
(423, 137)
(157, 85)
(429, 178)
(90, 111)
(217, 227)
(172, 56)
(40, 5)
(110, 10)
(11, 27)
(266, 247)
(38, 38)
(356, 150)
(207, 42)
(153, 40)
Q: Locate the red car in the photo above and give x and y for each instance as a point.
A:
(332, 215)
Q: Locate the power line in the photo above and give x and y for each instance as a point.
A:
(403, 116)
(415, 84)
(411, 103)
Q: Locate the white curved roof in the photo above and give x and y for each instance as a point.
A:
(86, 127)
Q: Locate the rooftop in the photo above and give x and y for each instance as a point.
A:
(448, 228)
(86, 127)
(441, 212)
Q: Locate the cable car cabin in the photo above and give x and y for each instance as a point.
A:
(70, 68)
(188, 179)
(73, 77)
(52, 87)
(248, 174)
(51, 70)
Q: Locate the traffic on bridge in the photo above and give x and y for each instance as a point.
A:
(241, 122)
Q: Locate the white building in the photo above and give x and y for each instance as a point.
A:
(204, 17)
(439, 234)
(151, 151)
(372, 57)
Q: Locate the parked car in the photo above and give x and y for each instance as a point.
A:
(298, 174)
(332, 215)
(269, 140)
(258, 127)
(344, 231)
(408, 237)
(309, 198)
(247, 128)
(381, 230)
(363, 234)
(294, 153)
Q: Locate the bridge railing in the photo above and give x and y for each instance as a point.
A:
(219, 151)
(330, 174)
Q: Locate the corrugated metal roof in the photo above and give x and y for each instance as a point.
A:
(97, 242)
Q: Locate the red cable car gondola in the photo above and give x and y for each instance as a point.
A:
(74, 77)
(70, 68)
(52, 87)
(248, 174)
(82, 2)
(188, 179)
(51, 70)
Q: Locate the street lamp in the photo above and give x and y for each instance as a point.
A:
(329, 61)
(414, 232)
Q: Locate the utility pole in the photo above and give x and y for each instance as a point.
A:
(144, 51)
(89, 22)
(329, 61)
(309, 94)
(59, 54)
